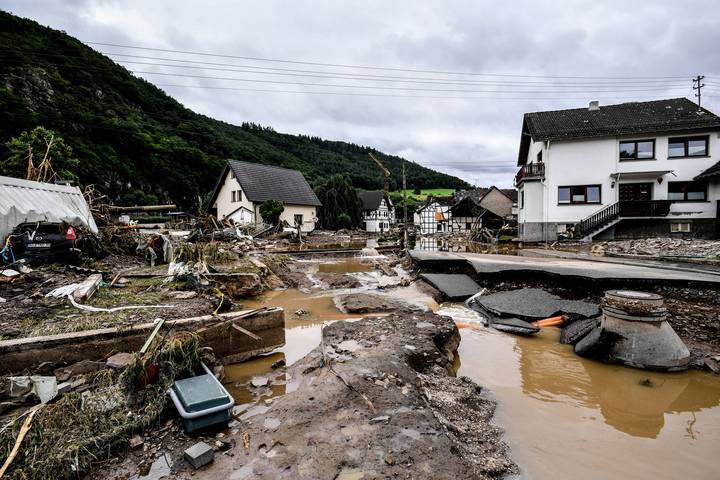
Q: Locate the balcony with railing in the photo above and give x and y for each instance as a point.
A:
(531, 171)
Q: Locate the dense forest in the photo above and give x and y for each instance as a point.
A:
(138, 145)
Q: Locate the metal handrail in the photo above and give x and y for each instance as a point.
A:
(622, 209)
(530, 170)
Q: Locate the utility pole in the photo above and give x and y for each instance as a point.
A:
(698, 85)
(405, 235)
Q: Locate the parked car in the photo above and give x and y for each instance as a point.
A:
(52, 242)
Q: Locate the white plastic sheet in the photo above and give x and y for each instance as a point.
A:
(27, 201)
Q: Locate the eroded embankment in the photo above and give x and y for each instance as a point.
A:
(379, 398)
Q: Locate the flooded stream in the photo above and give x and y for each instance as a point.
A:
(568, 417)
(564, 416)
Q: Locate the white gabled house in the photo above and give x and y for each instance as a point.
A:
(378, 212)
(244, 186)
(619, 171)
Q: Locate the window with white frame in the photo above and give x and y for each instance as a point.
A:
(678, 227)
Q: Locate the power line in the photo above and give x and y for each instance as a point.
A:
(358, 76)
(365, 67)
(390, 95)
(374, 87)
(364, 94)
(397, 79)
(611, 90)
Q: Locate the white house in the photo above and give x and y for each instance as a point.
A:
(619, 171)
(244, 186)
(378, 212)
(434, 215)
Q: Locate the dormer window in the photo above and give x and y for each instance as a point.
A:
(637, 150)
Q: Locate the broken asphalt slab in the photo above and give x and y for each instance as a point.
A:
(490, 264)
(453, 287)
(531, 304)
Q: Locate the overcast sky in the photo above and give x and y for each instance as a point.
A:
(475, 133)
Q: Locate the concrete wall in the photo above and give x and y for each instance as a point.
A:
(224, 204)
(228, 344)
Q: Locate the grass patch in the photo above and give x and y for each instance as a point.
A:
(435, 192)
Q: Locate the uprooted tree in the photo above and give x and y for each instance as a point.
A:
(270, 211)
(40, 155)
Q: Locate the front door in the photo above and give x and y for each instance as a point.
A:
(635, 191)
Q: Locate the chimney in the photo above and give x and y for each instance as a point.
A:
(594, 105)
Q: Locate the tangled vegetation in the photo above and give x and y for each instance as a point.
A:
(68, 437)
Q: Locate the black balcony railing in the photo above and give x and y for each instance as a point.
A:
(622, 209)
(531, 170)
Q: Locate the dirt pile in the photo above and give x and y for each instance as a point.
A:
(377, 398)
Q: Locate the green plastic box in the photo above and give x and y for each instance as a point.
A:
(202, 401)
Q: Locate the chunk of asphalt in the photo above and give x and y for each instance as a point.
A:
(454, 287)
(199, 455)
(514, 325)
(575, 332)
(531, 304)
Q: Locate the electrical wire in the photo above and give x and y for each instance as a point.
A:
(366, 67)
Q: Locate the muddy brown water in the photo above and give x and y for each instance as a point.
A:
(564, 416)
(568, 417)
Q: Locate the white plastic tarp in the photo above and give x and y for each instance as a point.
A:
(27, 201)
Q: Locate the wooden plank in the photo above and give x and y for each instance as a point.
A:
(88, 286)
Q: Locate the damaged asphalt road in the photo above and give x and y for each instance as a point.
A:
(378, 398)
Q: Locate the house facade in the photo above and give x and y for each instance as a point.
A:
(378, 212)
(619, 171)
(244, 186)
(434, 215)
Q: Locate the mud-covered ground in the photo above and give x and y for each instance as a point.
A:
(377, 399)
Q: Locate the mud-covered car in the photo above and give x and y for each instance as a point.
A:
(52, 242)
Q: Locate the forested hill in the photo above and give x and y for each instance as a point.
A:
(137, 144)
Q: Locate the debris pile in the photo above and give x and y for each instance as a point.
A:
(663, 247)
(85, 425)
(514, 310)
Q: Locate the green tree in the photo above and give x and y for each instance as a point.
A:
(398, 202)
(340, 203)
(270, 211)
(39, 139)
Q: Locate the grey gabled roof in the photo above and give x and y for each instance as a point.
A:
(622, 119)
(633, 118)
(265, 182)
(371, 200)
(711, 172)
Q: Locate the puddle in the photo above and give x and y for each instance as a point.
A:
(439, 244)
(303, 332)
(568, 417)
(352, 265)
